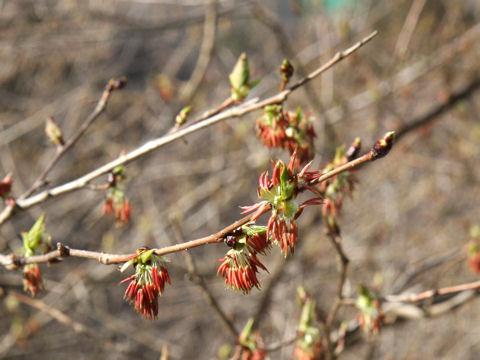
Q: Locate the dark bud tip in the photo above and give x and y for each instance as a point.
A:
(230, 241)
(354, 149)
(62, 249)
(286, 69)
(383, 146)
(120, 83)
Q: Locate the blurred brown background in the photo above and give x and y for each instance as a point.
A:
(411, 208)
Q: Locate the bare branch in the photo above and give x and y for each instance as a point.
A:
(99, 109)
(13, 262)
(161, 141)
(197, 279)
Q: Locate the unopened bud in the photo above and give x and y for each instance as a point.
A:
(286, 69)
(53, 131)
(183, 115)
(241, 73)
(302, 295)
(383, 146)
(240, 83)
(354, 149)
(116, 84)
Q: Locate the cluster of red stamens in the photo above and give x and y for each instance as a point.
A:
(118, 205)
(115, 201)
(334, 189)
(279, 193)
(371, 317)
(148, 282)
(240, 265)
(32, 279)
(291, 131)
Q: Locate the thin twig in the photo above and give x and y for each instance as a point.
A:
(12, 262)
(277, 346)
(206, 49)
(148, 147)
(439, 109)
(429, 294)
(197, 279)
(409, 26)
(343, 265)
(412, 272)
(65, 320)
(343, 261)
(347, 166)
(99, 109)
(267, 292)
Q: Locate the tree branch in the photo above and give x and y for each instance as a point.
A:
(148, 147)
(12, 262)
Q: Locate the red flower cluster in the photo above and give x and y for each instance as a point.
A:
(279, 193)
(240, 265)
(148, 282)
(316, 351)
(115, 201)
(32, 279)
(291, 131)
(474, 263)
(271, 126)
(474, 250)
(371, 316)
(334, 189)
(239, 270)
(257, 354)
(117, 204)
(371, 322)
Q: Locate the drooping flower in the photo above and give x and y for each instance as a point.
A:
(240, 265)
(148, 282)
(334, 189)
(290, 131)
(279, 194)
(32, 279)
(371, 316)
(272, 126)
(115, 201)
(473, 250)
(35, 241)
(300, 136)
(474, 258)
